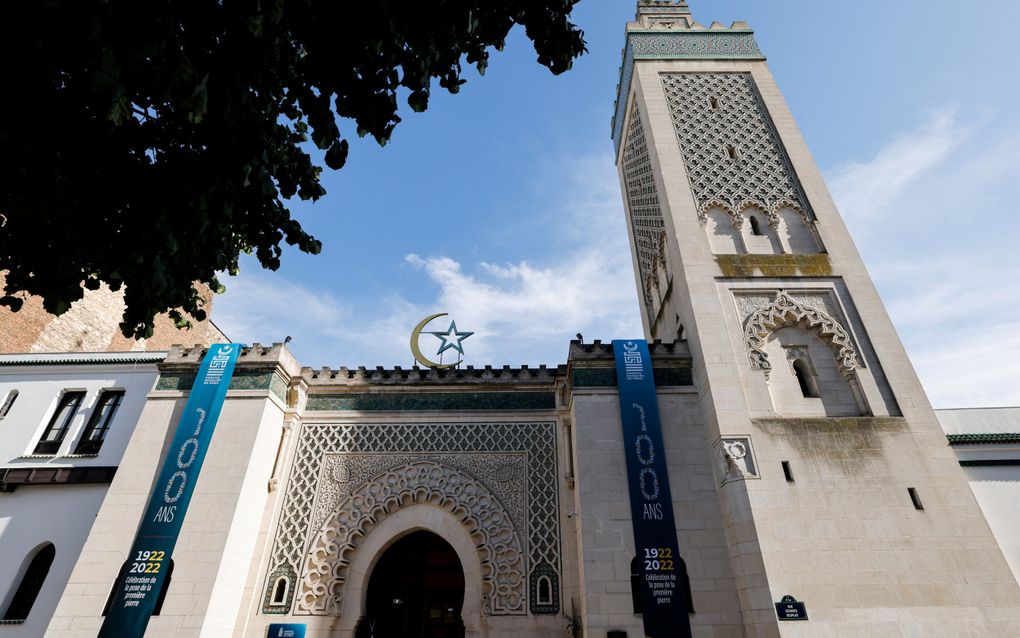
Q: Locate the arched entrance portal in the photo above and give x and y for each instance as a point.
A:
(416, 590)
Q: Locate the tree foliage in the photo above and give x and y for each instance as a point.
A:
(148, 144)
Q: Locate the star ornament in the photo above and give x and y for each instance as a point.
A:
(452, 338)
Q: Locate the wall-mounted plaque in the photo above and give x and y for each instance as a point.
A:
(790, 609)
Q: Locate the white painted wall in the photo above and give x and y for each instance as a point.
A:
(39, 388)
(29, 517)
(60, 514)
(996, 488)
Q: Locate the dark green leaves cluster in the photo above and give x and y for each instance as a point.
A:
(146, 144)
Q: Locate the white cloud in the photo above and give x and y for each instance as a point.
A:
(521, 312)
(265, 306)
(934, 217)
(870, 188)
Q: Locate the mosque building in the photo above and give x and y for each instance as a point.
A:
(762, 463)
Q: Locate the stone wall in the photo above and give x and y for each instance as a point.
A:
(91, 325)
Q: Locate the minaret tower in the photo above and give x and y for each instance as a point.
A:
(834, 478)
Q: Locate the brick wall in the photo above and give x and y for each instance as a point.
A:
(91, 325)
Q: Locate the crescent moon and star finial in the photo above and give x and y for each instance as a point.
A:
(450, 340)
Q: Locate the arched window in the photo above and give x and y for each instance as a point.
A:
(8, 402)
(635, 584)
(280, 591)
(31, 583)
(686, 584)
(544, 594)
(755, 226)
(805, 378)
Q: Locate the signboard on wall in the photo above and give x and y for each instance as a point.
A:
(286, 630)
(663, 603)
(145, 571)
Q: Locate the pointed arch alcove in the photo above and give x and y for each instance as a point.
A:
(422, 495)
(784, 312)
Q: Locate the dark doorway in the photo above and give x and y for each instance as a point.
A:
(416, 590)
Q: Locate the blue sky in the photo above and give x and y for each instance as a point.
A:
(501, 204)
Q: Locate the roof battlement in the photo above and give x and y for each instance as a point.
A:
(664, 13)
(660, 350)
(182, 360)
(256, 355)
(416, 375)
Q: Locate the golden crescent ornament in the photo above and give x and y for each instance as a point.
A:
(416, 349)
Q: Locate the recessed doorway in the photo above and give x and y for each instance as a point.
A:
(416, 590)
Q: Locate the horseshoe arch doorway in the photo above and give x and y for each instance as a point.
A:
(415, 590)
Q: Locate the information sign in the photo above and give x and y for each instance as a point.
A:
(790, 609)
(663, 604)
(143, 574)
(286, 630)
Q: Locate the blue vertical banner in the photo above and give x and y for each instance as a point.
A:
(663, 603)
(143, 574)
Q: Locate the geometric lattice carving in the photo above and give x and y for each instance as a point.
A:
(315, 472)
(679, 45)
(498, 544)
(783, 311)
(732, 152)
(643, 202)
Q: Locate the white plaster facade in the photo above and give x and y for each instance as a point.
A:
(987, 444)
(57, 502)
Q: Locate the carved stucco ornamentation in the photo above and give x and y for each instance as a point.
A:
(480, 512)
(761, 174)
(517, 461)
(783, 310)
(736, 459)
(504, 473)
(643, 203)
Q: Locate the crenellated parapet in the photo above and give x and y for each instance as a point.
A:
(363, 376)
(593, 365)
(665, 30)
(259, 367)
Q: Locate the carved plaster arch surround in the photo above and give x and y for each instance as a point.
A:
(326, 568)
(786, 311)
(410, 519)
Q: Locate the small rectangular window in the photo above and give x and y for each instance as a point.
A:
(787, 472)
(915, 498)
(732, 152)
(56, 429)
(713, 103)
(99, 423)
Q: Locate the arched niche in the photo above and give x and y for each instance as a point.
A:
(794, 230)
(821, 391)
(723, 235)
(410, 519)
(766, 350)
(759, 232)
(479, 516)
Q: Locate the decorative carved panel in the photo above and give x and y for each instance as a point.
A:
(499, 546)
(736, 459)
(763, 313)
(731, 149)
(515, 463)
(643, 202)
